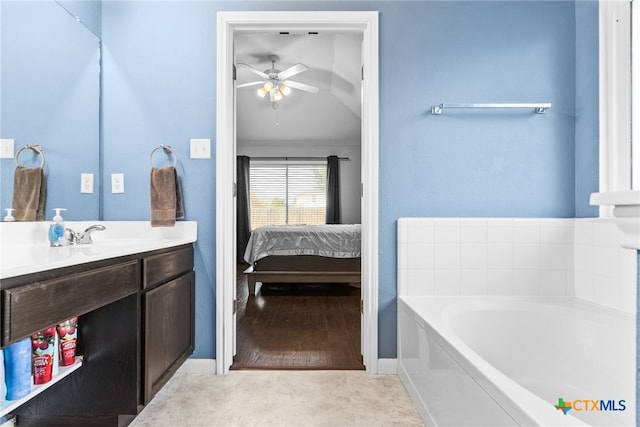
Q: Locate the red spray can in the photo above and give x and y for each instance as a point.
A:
(68, 335)
(42, 346)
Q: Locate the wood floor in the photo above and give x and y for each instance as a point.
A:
(298, 326)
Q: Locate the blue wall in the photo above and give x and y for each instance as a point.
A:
(587, 138)
(159, 75)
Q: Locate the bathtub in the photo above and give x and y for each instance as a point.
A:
(504, 361)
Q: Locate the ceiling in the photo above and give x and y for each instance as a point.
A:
(334, 64)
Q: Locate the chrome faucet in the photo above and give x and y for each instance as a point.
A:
(83, 238)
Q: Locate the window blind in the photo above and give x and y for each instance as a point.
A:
(287, 193)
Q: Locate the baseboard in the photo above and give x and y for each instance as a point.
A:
(198, 366)
(387, 366)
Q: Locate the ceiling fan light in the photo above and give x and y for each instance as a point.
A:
(268, 86)
(262, 92)
(277, 95)
(285, 90)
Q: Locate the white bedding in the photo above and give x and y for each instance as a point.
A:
(335, 241)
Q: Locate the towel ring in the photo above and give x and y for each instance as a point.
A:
(168, 151)
(35, 148)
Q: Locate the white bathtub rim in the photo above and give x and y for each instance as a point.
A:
(505, 391)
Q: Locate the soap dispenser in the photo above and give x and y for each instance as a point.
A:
(56, 229)
(9, 217)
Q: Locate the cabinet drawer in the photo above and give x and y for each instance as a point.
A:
(32, 307)
(163, 267)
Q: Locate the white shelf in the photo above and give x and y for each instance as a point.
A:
(9, 405)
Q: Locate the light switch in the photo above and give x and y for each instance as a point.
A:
(86, 183)
(6, 148)
(117, 183)
(200, 148)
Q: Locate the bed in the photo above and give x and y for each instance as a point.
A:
(303, 254)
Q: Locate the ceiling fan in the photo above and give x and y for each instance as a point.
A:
(275, 82)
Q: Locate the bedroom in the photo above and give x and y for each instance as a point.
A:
(297, 134)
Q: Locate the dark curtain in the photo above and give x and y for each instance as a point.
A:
(333, 190)
(243, 217)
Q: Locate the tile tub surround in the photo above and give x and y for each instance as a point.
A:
(24, 247)
(516, 256)
(605, 272)
(281, 398)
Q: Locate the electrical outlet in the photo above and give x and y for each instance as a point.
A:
(200, 148)
(86, 183)
(6, 148)
(117, 183)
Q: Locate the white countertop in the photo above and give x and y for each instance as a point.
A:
(626, 213)
(616, 198)
(24, 246)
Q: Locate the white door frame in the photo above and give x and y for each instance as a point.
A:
(229, 23)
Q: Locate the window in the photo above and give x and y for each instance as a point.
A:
(287, 193)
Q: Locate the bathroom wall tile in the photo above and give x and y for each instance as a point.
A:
(447, 282)
(627, 268)
(403, 283)
(583, 256)
(526, 231)
(446, 231)
(473, 256)
(447, 256)
(402, 225)
(628, 296)
(473, 231)
(606, 233)
(420, 234)
(500, 282)
(500, 230)
(553, 283)
(526, 282)
(403, 260)
(553, 256)
(420, 282)
(605, 261)
(473, 282)
(419, 222)
(526, 256)
(420, 255)
(556, 231)
(583, 232)
(570, 282)
(500, 255)
(605, 291)
(584, 283)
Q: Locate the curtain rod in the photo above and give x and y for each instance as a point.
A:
(296, 158)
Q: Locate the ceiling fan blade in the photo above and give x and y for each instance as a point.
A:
(253, 70)
(301, 86)
(292, 71)
(250, 84)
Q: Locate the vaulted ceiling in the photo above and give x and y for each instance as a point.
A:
(334, 66)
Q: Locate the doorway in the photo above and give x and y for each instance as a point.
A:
(229, 24)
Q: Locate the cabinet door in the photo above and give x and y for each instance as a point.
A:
(168, 331)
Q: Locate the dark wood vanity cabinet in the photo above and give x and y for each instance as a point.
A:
(168, 304)
(136, 327)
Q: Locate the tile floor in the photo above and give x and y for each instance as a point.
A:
(281, 398)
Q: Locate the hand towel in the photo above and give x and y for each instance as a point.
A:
(29, 194)
(179, 203)
(166, 197)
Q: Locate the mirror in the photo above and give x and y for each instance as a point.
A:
(50, 96)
